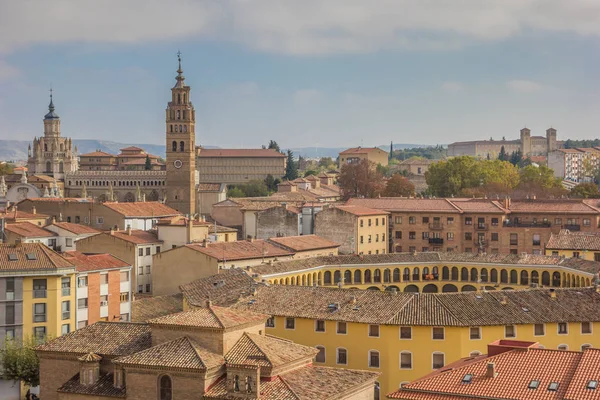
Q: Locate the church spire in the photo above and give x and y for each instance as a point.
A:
(51, 114)
(180, 78)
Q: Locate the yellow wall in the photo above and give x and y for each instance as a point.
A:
(53, 301)
(456, 344)
(583, 254)
(378, 231)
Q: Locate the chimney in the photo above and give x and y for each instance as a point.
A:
(189, 228)
(553, 293)
(504, 300)
(18, 242)
(507, 202)
(33, 210)
(112, 230)
(53, 220)
(490, 370)
(129, 230)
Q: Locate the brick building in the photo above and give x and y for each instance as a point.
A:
(481, 225)
(130, 159)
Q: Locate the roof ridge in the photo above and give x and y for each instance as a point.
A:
(449, 201)
(247, 334)
(287, 385)
(192, 344)
(210, 309)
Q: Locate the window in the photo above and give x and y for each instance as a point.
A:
(66, 309)
(475, 333)
(592, 385)
(533, 384)
(104, 279)
(39, 332)
(69, 242)
(514, 239)
(412, 235)
(450, 235)
(362, 239)
(39, 312)
(585, 346)
(377, 238)
(124, 276)
(405, 332)
(398, 234)
(157, 249)
(9, 333)
(586, 328)
(450, 220)
(509, 331)
(536, 239)
(147, 251)
(438, 333)
(373, 330)
(165, 390)
(397, 220)
(141, 270)
(124, 317)
(82, 303)
(425, 220)
(405, 360)
(425, 235)
(341, 328)
(140, 252)
(39, 288)
(563, 347)
(10, 288)
(290, 323)
(320, 357)
(370, 223)
(82, 324)
(65, 328)
(361, 223)
(140, 288)
(271, 322)
(147, 288)
(319, 325)
(412, 220)
(494, 236)
(437, 360)
(494, 221)
(342, 356)
(563, 328)
(147, 270)
(586, 222)
(124, 297)
(9, 316)
(539, 329)
(373, 359)
(468, 235)
(369, 238)
(468, 221)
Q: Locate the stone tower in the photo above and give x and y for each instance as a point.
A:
(551, 139)
(52, 154)
(181, 148)
(525, 142)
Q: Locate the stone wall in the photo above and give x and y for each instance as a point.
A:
(337, 226)
(276, 221)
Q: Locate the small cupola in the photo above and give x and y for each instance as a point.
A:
(89, 368)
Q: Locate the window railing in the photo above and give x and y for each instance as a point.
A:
(436, 241)
(39, 318)
(66, 291)
(572, 227)
(527, 224)
(66, 315)
(436, 226)
(39, 294)
(481, 226)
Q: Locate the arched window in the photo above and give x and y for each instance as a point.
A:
(61, 167)
(347, 276)
(445, 273)
(184, 98)
(503, 276)
(357, 276)
(415, 274)
(175, 128)
(181, 146)
(556, 280)
(367, 276)
(464, 274)
(494, 276)
(174, 145)
(435, 272)
(178, 102)
(236, 383)
(524, 278)
(513, 276)
(474, 275)
(397, 275)
(377, 276)
(454, 275)
(337, 276)
(376, 391)
(327, 278)
(484, 275)
(387, 276)
(171, 126)
(180, 128)
(425, 273)
(45, 147)
(342, 356)
(185, 128)
(165, 388)
(320, 357)
(546, 278)
(406, 275)
(48, 166)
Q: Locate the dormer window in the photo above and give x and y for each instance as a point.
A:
(553, 386)
(468, 378)
(533, 384)
(592, 385)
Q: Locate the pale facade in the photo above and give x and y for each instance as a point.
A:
(574, 165)
(356, 154)
(235, 166)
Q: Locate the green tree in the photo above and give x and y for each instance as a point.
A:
(399, 186)
(20, 362)
(586, 191)
(360, 179)
(502, 156)
(235, 192)
(516, 157)
(540, 181)
(310, 172)
(270, 183)
(255, 189)
(291, 169)
(273, 145)
(325, 162)
(148, 165)
(6, 168)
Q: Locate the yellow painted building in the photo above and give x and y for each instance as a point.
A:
(38, 292)
(573, 244)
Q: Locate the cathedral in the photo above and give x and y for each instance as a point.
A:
(52, 154)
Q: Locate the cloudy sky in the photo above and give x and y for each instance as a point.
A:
(303, 72)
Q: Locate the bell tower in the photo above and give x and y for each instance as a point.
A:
(181, 147)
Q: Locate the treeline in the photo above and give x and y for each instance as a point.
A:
(433, 153)
(570, 144)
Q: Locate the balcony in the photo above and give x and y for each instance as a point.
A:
(436, 226)
(66, 315)
(436, 241)
(572, 227)
(480, 242)
(526, 224)
(481, 226)
(39, 294)
(66, 291)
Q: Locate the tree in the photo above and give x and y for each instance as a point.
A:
(148, 165)
(586, 191)
(6, 168)
(399, 186)
(502, 156)
(325, 162)
(270, 183)
(310, 172)
(235, 192)
(20, 362)
(516, 157)
(291, 169)
(360, 179)
(540, 181)
(273, 145)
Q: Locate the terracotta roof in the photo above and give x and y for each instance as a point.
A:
(97, 154)
(406, 205)
(561, 206)
(304, 243)
(426, 309)
(142, 209)
(209, 187)
(102, 338)
(142, 161)
(361, 211)
(240, 250)
(267, 352)
(10, 215)
(214, 317)
(94, 262)
(103, 387)
(131, 148)
(180, 220)
(137, 236)
(77, 229)
(183, 352)
(28, 230)
(417, 161)
(515, 370)
(480, 206)
(90, 357)
(223, 289)
(567, 240)
(273, 389)
(153, 307)
(58, 200)
(262, 153)
(31, 256)
(362, 150)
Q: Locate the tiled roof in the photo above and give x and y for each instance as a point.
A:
(304, 243)
(77, 229)
(515, 370)
(183, 352)
(103, 387)
(31, 256)
(103, 338)
(480, 206)
(28, 230)
(13, 215)
(567, 240)
(361, 211)
(267, 351)
(214, 317)
(406, 205)
(153, 307)
(137, 236)
(58, 200)
(131, 148)
(240, 250)
(142, 161)
(427, 257)
(362, 150)
(274, 389)
(426, 309)
(96, 154)
(561, 206)
(262, 153)
(417, 161)
(209, 187)
(94, 262)
(142, 209)
(223, 289)
(90, 357)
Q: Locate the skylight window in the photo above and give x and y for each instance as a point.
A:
(31, 256)
(592, 385)
(533, 384)
(525, 309)
(553, 386)
(467, 378)
(13, 257)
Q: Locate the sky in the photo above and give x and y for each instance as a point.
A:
(306, 73)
